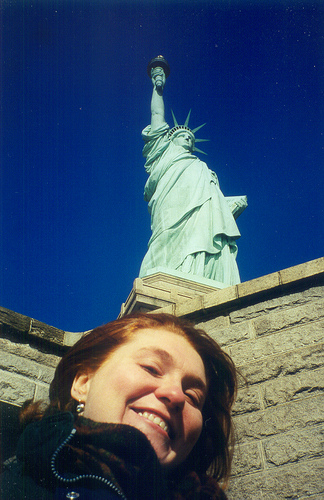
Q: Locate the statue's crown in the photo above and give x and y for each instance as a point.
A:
(178, 127)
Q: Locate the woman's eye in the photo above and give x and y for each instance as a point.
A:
(151, 369)
(193, 399)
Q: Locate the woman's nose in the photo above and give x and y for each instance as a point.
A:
(171, 394)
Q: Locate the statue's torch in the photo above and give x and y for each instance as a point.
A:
(158, 62)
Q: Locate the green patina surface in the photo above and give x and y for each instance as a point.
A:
(193, 224)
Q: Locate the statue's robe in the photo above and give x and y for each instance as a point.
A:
(193, 229)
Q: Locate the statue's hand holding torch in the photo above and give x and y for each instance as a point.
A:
(158, 70)
(158, 79)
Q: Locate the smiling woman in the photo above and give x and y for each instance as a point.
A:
(139, 408)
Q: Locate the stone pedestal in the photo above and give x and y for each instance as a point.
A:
(166, 288)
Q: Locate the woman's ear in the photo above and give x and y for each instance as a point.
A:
(81, 386)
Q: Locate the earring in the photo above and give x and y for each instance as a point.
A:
(80, 408)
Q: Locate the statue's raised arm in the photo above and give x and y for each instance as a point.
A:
(158, 70)
(157, 103)
(193, 228)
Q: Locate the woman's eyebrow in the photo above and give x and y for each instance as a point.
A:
(164, 355)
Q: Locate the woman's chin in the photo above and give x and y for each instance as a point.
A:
(158, 437)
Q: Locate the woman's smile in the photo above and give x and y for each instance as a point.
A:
(155, 419)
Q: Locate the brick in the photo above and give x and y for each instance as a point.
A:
(189, 306)
(248, 399)
(47, 332)
(279, 342)
(13, 322)
(291, 317)
(46, 374)
(15, 364)
(281, 418)
(291, 387)
(219, 297)
(212, 325)
(258, 285)
(26, 351)
(305, 270)
(287, 482)
(41, 393)
(247, 458)
(282, 302)
(308, 358)
(11, 363)
(70, 338)
(294, 446)
(15, 389)
(231, 334)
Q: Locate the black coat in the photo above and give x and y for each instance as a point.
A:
(29, 476)
(58, 459)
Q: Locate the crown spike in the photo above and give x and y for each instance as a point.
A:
(187, 119)
(174, 119)
(200, 151)
(202, 140)
(198, 128)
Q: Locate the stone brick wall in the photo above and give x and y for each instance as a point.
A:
(29, 353)
(276, 340)
(277, 345)
(273, 329)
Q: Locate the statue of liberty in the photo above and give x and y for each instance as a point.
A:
(193, 225)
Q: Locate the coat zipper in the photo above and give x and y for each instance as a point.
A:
(73, 480)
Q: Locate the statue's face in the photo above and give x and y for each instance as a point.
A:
(184, 139)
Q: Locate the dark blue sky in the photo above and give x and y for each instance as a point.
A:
(75, 97)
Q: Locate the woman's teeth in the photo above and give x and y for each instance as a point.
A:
(155, 420)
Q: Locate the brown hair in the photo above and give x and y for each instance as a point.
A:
(213, 448)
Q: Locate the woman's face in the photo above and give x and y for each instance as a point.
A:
(155, 382)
